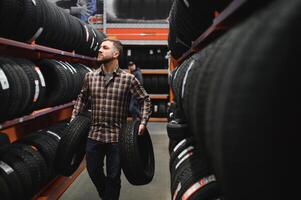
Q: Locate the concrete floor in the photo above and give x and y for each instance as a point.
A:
(82, 188)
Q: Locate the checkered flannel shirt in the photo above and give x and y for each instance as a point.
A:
(110, 102)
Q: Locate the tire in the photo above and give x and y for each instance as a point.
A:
(38, 159)
(253, 103)
(4, 92)
(177, 83)
(32, 166)
(177, 131)
(71, 148)
(5, 191)
(188, 20)
(12, 180)
(22, 172)
(29, 22)
(15, 89)
(4, 143)
(28, 68)
(10, 13)
(56, 81)
(137, 155)
(179, 148)
(191, 170)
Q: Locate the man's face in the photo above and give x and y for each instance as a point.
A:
(107, 52)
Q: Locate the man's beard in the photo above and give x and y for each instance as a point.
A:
(106, 60)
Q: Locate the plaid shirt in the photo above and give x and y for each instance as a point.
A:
(110, 102)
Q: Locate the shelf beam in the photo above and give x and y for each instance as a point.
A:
(154, 71)
(159, 96)
(157, 119)
(33, 51)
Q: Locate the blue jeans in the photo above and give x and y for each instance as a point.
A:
(108, 187)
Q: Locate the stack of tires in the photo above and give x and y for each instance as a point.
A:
(27, 86)
(49, 25)
(26, 165)
(30, 163)
(155, 83)
(146, 10)
(146, 56)
(235, 104)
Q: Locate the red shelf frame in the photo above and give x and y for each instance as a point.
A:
(154, 71)
(33, 115)
(158, 96)
(33, 51)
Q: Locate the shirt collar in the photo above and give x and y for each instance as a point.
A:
(115, 72)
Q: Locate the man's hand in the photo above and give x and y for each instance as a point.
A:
(141, 129)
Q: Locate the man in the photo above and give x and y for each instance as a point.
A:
(109, 89)
(134, 105)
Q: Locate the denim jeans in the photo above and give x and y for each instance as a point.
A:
(108, 186)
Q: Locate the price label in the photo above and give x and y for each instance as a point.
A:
(3, 80)
(40, 76)
(6, 167)
(37, 90)
(129, 52)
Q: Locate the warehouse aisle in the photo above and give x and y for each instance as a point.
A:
(158, 189)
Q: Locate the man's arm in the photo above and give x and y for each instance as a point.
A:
(82, 99)
(143, 98)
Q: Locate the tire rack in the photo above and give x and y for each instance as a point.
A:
(157, 96)
(16, 128)
(235, 12)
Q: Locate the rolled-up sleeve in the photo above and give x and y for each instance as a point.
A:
(143, 98)
(82, 99)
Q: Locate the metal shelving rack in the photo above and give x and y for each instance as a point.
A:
(18, 127)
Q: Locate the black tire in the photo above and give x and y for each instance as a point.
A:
(4, 92)
(32, 166)
(12, 180)
(29, 22)
(22, 172)
(56, 82)
(28, 68)
(137, 155)
(46, 147)
(178, 130)
(38, 159)
(4, 143)
(192, 169)
(196, 86)
(15, 89)
(163, 84)
(253, 102)
(5, 191)
(188, 19)
(10, 13)
(24, 81)
(141, 10)
(71, 148)
(179, 148)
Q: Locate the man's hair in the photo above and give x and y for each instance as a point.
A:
(117, 44)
